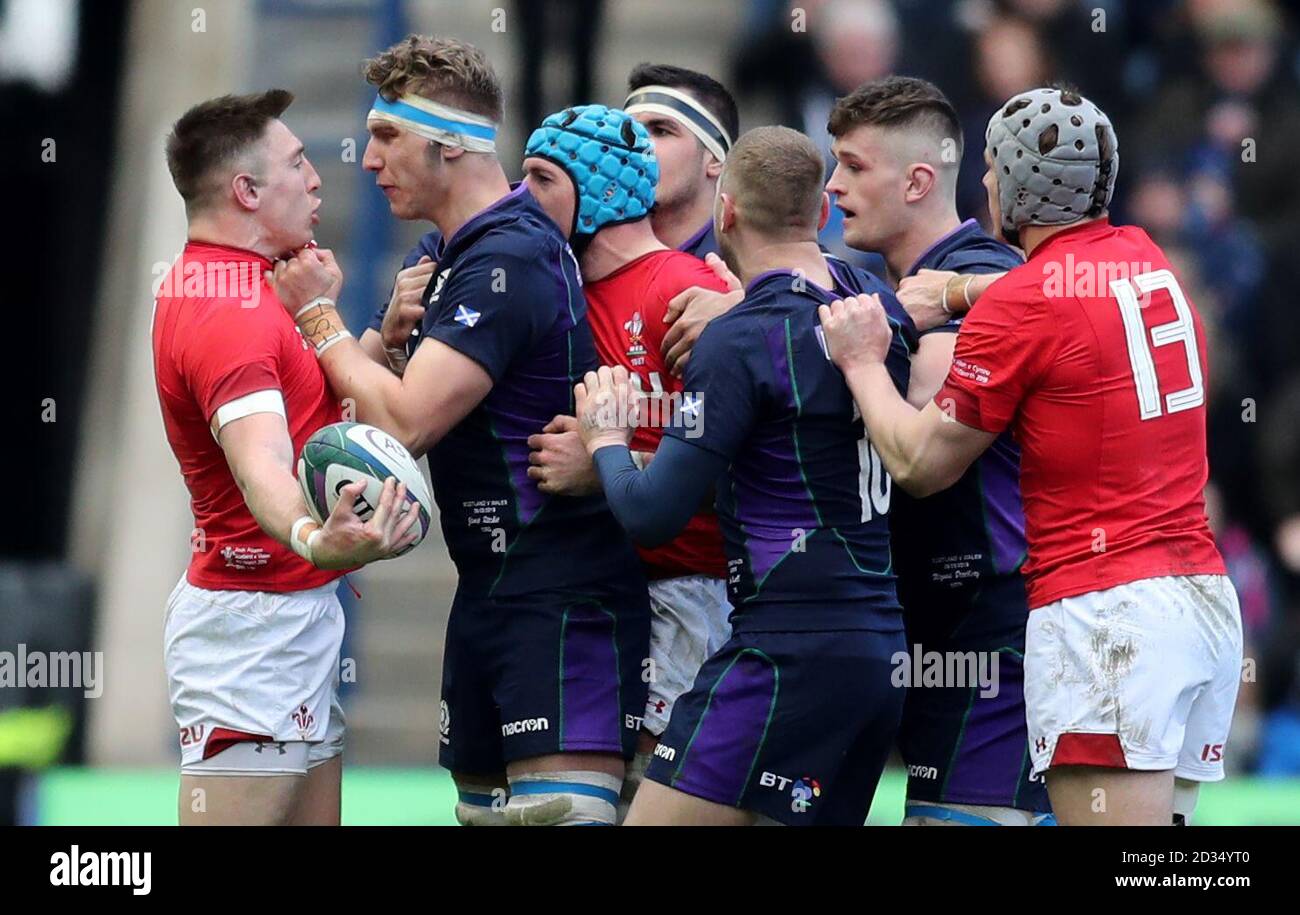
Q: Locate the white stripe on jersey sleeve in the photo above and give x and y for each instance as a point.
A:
(268, 401)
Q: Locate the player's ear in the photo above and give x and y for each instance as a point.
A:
(712, 168)
(244, 187)
(726, 212)
(920, 181)
(451, 152)
(826, 211)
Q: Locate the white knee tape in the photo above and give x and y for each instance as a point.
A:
(1186, 793)
(481, 805)
(563, 799)
(631, 782)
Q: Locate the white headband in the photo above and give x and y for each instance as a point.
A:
(683, 109)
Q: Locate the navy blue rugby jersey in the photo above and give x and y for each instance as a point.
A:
(950, 543)
(426, 246)
(508, 294)
(805, 502)
(701, 243)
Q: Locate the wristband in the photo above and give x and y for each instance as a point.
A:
(320, 324)
(947, 290)
(303, 546)
(965, 292)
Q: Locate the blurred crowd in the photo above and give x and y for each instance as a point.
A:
(1205, 95)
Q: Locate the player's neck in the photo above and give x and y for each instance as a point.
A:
(803, 257)
(232, 232)
(676, 225)
(1033, 236)
(474, 192)
(616, 246)
(916, 239)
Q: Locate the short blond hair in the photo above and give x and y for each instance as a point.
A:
(445, 70)
(776, 176)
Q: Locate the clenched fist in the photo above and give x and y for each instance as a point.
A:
(857, 331)
(405, 310)
(309, 274)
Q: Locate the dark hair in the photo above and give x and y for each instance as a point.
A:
(703, 88)
(900, 102)
(215, 133)
(445, 70)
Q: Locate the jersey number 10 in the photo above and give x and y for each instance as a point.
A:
(1181, 330)
(874, 483)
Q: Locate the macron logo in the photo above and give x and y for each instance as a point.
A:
(467, 316)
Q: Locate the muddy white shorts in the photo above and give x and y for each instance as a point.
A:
(253, 678)
(1140, 676)
(688, 624)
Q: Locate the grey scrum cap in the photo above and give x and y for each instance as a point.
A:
(1056, 158)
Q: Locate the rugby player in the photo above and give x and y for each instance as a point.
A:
(792, 719)
(628, 277)
(692, 119)
(253, 629)
(1133, 646)
(542, 693)
(898, 145)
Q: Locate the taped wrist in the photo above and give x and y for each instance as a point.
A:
(303, 536)
(397, 359)
(320, 324)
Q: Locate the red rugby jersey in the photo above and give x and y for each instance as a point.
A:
(220, 333)
(1094, 356)
(626, 313)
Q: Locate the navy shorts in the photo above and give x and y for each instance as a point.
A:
(542, 674)
(795, 726)
(962, 747)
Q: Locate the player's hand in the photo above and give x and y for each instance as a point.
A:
(346, 541)
(922, 297)
(309, 274)
(722, 272)
(607, 408)
(405, 310)
(689, 312)
(857, 331)
(559, 461)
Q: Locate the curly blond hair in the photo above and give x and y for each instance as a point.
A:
(445, 70)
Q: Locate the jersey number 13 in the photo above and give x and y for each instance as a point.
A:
(1181, 330)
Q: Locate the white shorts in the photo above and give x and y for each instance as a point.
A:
(1140, 676)
(688, 624)
(253, 678)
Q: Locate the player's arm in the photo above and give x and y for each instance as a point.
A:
(934, 297)
(560, 463)
(259, 453)
(438, 389)
(654, 504)
(930, 365)
(373, 346)
(925, 450)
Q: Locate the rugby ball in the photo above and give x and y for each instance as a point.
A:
(342, 453)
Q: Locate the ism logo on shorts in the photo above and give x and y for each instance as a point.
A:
(527, 724)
